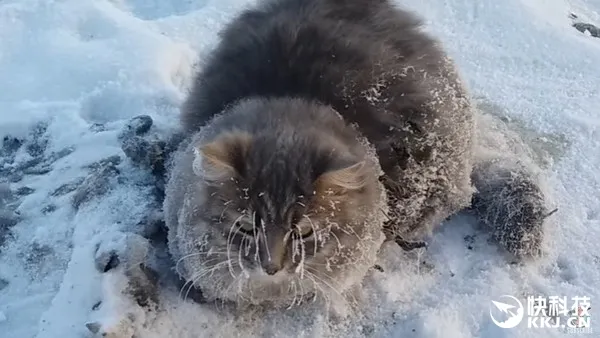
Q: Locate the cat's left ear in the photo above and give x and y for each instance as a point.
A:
(222, 158)
(350, 177)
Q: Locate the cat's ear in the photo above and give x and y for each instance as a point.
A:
(339, 181)
(222, 158)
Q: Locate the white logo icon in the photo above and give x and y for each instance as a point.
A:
(514, 305)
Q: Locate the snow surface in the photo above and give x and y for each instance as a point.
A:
(74, 63)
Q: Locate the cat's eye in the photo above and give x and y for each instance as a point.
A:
(249, 228)
(304, 232)
(246, 228)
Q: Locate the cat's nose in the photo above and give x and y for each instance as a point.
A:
(271, 268)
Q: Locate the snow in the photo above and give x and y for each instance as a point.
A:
(76, 63)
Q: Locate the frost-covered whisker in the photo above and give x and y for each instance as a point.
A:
(230, 237)
(335, 287)
(302, 293)
(256, 239)
(335, 225)
(300, 267)
(190, 284)
(196, 254)
(240, 249)
(197, 275)
(205, 261)
(353, 232)
(311, 276)
(314, 229)
(339, 243)
(264, 231)
(233, 283)
(293, 284)
(295, 247)
(246, 242)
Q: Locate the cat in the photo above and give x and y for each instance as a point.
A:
(316, 130)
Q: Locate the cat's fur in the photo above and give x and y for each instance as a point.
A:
(275, 166)
(269, 119)
(372, 64)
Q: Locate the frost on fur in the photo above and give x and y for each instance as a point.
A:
(511, 203)
(129, 286)
(511, 198)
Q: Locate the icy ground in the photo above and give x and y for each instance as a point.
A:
(73, 72)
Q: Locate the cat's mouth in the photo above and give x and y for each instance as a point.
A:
(288, 271)
(282, 283)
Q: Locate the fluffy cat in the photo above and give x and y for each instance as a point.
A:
(275, 196)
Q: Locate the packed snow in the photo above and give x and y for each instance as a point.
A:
(74, 72)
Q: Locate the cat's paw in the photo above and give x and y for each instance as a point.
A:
(129, 286)
(406, 245)
(146, 147)
(120, 328)
(511, 203)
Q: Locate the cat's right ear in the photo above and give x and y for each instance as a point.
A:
(351, 177)
(223, 158)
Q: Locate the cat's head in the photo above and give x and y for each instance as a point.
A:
(289, 204)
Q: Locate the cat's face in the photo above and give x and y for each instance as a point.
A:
(286, 212)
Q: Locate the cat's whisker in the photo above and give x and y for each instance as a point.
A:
(189, 282)
(314, 229)
(297, 249)
(225, 286)
(220, 283)
(208, 271)
(335, 288)
(247, 245)
(235, 283)
(196, 254)
(318, 288)
(302, 289)
(293, 283)
(207, 260)
(294, 249)
(339, 243)
(240, 249)
(240, 258)
(264, 231)
(183, 287)
(229, 244)
(199, 274)
(300, 267)
(355, 234)
(256, 253)
(341, 228)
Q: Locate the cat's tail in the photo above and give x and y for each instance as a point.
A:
(510, 198)
(510, 201)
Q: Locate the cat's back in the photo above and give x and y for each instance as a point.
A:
(355, 55)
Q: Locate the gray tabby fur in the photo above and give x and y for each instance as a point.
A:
(279, 111)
